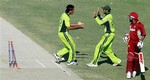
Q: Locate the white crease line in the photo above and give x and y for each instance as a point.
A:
(62, 68)
(41, 64)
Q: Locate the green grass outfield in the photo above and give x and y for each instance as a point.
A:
(38, 19)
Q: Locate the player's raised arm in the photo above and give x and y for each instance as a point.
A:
(79, 25)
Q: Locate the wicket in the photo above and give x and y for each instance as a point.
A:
(11, 55)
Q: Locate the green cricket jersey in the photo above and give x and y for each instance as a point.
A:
(107, 22)
(64, 23)
(67, 40)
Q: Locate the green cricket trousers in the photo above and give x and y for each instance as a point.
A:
(69, 46)
(105, 45)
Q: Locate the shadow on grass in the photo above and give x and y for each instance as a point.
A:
(142, 76)
(139, 72)
(77, 53)
(108, 61)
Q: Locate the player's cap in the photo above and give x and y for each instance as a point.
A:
(106, 8)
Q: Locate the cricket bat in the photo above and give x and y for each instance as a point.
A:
(141, 58)
(141, 62)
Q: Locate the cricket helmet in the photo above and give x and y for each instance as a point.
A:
(133, 15)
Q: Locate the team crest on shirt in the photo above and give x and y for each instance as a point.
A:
(132, 29)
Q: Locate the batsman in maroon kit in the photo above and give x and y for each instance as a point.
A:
(135, 42)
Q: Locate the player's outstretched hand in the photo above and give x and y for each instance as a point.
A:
(81, 24)
(98, 11)
(94, 13)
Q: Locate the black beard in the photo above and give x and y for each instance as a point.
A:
(131, 20)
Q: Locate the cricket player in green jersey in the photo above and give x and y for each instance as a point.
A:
(65, 37)
(105, 44)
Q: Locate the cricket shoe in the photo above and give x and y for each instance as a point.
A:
(72, 63)
(57, 58)
(92, 65)
(115, 64)
(128, 75)
(134, 74)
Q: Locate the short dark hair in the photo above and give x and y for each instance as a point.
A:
(69, 7)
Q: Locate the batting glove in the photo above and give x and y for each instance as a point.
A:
(140, 44)
(125, 38)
